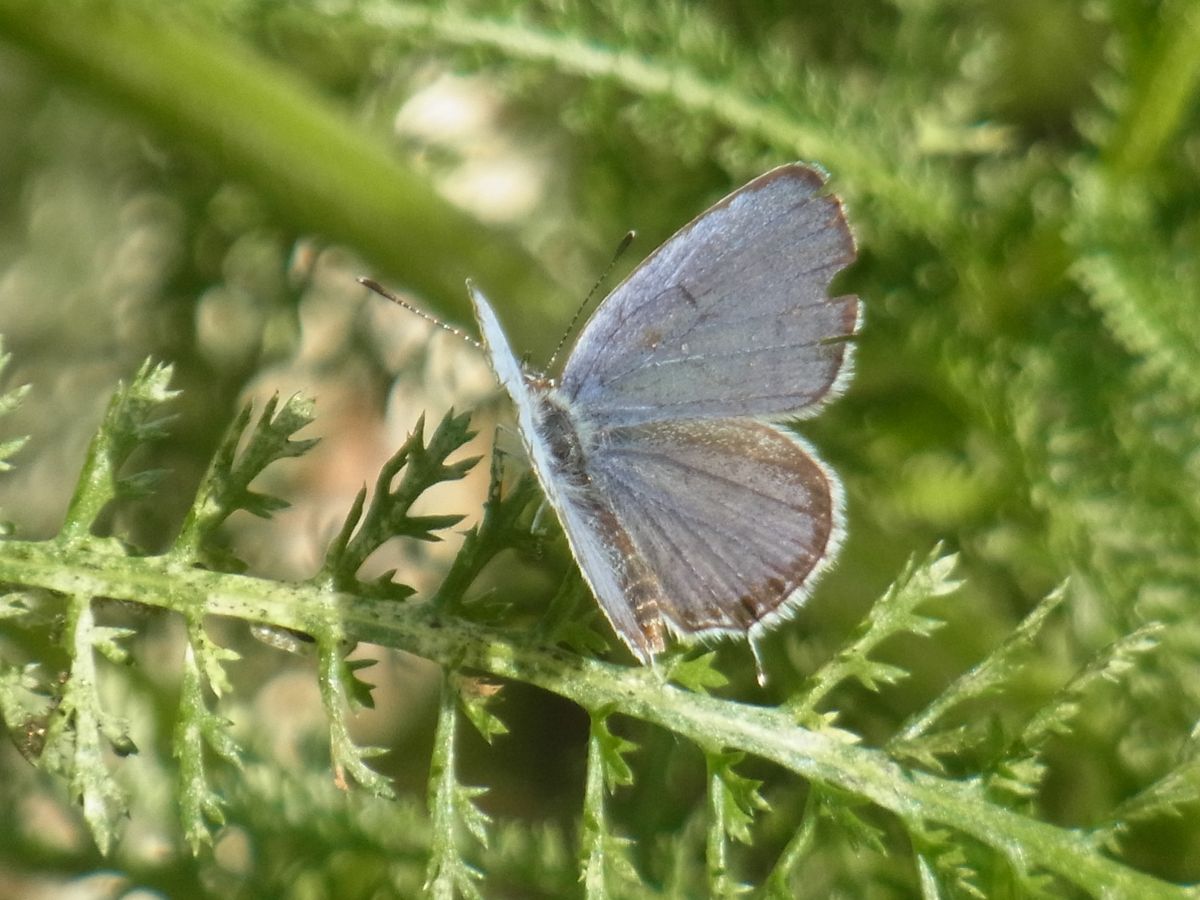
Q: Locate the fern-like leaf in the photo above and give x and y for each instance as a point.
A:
(196, 728)
(696, 673)
(501, 528)
(452, 810)
(341, 692)
(134, 417)
(1145, 287)
(913, 739)
(733, 801)
(571, 618)
(678, 76)
(419, 466)
(893, 614)
(73, 746)
(1169, 795)
(1021, 769)
(943, 863)
(476, 697)
(606, 867)
(225, 487)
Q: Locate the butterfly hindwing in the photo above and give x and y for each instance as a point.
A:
(733, 517)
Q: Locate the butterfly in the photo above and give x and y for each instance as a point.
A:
(688, 509)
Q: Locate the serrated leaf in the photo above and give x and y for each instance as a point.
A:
(210, 657)
(1167, 796)
(840, 809)
(737, 795)
(894, 613)
(500, 529)
(696, 673)
(73, 746)
(476, 696)
(132, 419)
(418, 466)
(604, 856)
(570, 618)
(611, 750)
(196, 728)
(927, 749)
(225, 487)
(987, 676)
(358, 692)
(941, 851)
(349, 759)
(473, 818)
(452, 808)
(1021, 770)
(107, 639)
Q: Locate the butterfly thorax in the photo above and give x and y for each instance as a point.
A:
(557, 427)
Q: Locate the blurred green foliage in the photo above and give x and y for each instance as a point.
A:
(202, 184)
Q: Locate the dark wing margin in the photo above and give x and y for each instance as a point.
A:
(730, 317)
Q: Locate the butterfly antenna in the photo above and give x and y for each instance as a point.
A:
(621, 248)
(384, 292)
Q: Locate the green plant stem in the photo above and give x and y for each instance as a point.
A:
(319, 169)
(712, 723)
(1163, 96)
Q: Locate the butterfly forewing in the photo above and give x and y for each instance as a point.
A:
(730, 317)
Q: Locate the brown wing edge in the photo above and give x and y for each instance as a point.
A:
(782, 604)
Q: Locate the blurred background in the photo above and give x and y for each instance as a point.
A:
(203, 185)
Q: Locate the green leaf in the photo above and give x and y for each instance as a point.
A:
(987, 677)
(733, 801)
(697, 673)
(1169, 795)
(605, 855)
(73, 747)
(134, 417)
(418, 467)
(1021, 770)
(941, 858)
(200, 805)
(503, 527)
(340, 692)
(452, 809)
(225, 487)
(571, 618)
(477, 696)
(894, 613)
(840, 809)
